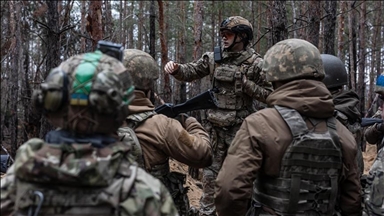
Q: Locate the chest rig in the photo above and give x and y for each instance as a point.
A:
(309, 174)
(227, 82)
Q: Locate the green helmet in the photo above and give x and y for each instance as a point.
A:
(142, 67)
(335, 73)
(293, 59)
(88, 93)
(238, 24)
(379, 88)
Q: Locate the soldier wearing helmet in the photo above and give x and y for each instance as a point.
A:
(82, 167)
(373, 189)
(288, 159)
(347, 102)
(238, 82)
(161, 137)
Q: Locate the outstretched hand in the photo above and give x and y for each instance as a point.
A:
(171, 67)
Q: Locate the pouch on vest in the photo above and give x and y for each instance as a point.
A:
(222, 118)
(310, 170)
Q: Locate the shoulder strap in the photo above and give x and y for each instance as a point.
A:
(293, 119)
(134, 120)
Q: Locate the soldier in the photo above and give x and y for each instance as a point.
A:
(82, 168)
(298, 157)
(237, 80)
(346, 102)
(374, 189)
(161, 137)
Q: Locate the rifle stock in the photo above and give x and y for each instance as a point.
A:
(205, 100)
(365, 122)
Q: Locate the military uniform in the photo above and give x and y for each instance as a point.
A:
(234, 104)
(83, 168)
(265, 162)
(374, 134)
(161, 137)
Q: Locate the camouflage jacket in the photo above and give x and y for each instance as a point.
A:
(78, 179)
(255, 87)
(374, 189)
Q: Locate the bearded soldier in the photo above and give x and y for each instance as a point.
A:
(237, 80)
(83, 168)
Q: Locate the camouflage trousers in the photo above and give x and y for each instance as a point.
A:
(373, 191)
(221, 138)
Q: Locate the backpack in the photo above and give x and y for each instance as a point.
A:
(173, 181)
(310, 171)
(127, 134)
(79, 179)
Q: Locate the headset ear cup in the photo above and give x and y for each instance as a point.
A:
(54, 92)
(37, 99)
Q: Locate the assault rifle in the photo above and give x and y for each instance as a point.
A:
(205, 100)
(365, 122)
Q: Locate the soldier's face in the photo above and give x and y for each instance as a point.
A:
(227, 38)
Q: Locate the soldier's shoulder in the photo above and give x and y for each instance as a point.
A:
(154, 194)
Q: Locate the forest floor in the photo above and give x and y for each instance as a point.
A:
(195, 186)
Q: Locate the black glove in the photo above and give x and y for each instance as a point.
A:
(380, 127)
(182, 117)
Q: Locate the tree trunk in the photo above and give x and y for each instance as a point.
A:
(278, 22)
(361, 63)
(352, 46)
(82, 27)
(330, 27)
(152, 30)
(182, 51)
(52, 49)
(340, 31)
(140, 26)
(14, 76)
(164, 52)
(314, 22)
(94, 18)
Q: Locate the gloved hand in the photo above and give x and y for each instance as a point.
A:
(182, 117)
(380, 127)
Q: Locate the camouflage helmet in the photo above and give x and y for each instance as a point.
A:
(142, 67)
(379, 88)
(335, 73)
(238, 24)
(88, 93)
(293, 59)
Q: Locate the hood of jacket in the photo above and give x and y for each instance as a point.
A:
(310, 98)
(348, 103)
(140, 104)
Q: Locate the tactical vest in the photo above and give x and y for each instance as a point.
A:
(373, 192)
(309, 174)
(79, 179)
(133, 121)
(227, 82)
